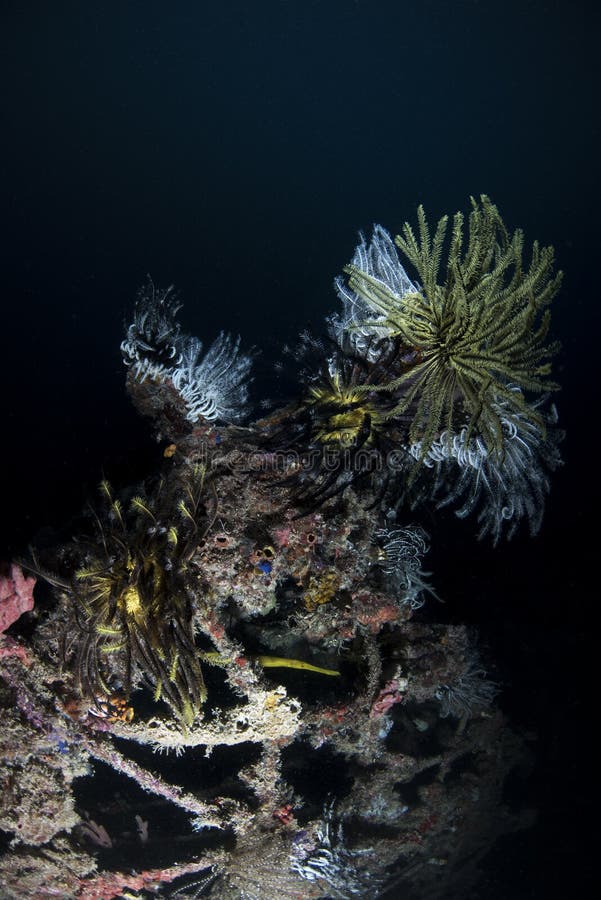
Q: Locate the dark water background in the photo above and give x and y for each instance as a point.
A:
(235, 149)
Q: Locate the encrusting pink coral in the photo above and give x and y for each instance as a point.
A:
(16, 596)
(390, 694)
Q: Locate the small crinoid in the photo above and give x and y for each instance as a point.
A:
(468, 692)
(341, 429)
(401, 562)
(342, 416)
(151, 345)
(214, 385)
(476, 333)
(131, 619)
(169, 372)
(340, 870)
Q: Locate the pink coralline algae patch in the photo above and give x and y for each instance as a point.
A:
(284, 814)
(388, 696)
(373, 616)
(282, 536)
(9, 647)
(16, 596)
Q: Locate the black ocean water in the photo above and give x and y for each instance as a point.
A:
(236, 149)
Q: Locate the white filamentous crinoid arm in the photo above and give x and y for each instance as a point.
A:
(356, 324)
(504, 488)
(214, 386)
(151, 345)
(334, 861)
